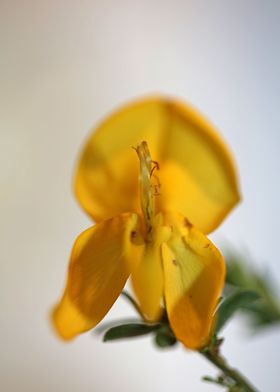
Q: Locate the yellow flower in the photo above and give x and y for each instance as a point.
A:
(150, 226)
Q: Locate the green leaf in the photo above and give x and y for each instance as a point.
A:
(164, 341)
(219, 380)
(237, 271)
(237, 300)
(164, 337)
(129, 331)
(243, 274)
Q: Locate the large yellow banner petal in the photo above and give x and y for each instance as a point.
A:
(197, 173)
(98, 271)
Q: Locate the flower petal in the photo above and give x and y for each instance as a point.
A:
(97, 273)
(194, 273)
(197, 173)
(147, 274)
(147, 281)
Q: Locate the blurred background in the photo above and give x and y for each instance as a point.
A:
(64, 66)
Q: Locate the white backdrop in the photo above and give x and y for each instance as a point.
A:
(64, 65)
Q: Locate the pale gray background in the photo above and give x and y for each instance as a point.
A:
(64, 65)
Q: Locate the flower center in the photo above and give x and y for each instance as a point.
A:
(149, 186)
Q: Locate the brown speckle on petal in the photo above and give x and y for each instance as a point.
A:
(133, 235)
(186, 223)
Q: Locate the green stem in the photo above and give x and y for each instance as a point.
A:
(133, 303)
(239, 380)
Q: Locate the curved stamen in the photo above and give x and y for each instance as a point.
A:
(147, 189)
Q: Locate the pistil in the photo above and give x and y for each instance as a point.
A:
(149, 188)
